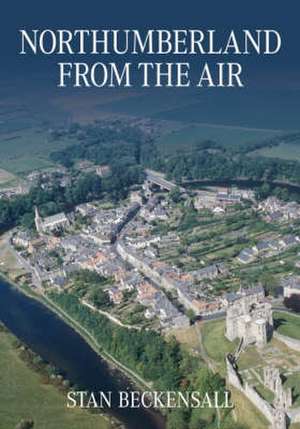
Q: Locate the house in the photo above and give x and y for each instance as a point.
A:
(262, 246)
(291, 286)
(71, 243)
(102, 170)
(205, 200)
(115, 295)
(36, 243)
(289, 240)
(228, 197)
(228, 298)
(209, 272)
(135, 197)
(22, 239)
(86, 209)
(246, 256)
(218, 210)
(146, 293)
(57, 280)
(149, 313)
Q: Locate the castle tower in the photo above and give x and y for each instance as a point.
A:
(261, 332)
(38, 221)
(271, 377)
(283, 397)
(279, 419)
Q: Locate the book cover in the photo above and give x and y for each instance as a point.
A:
(149, 215)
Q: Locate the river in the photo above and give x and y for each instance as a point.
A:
(56, 342)
(241, 183)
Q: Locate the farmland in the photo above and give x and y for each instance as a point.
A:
(186, 138)
(182, 121)
(288, 151)
(7, 179)
(205, 239)
(25, 151)
(25, 396)
(24, 142)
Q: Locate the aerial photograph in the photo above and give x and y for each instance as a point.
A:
(150, 215)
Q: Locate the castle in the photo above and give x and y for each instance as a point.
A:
(273, 381)
(249, 317)
(51, 223)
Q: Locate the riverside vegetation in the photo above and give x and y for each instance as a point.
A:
(32, 382)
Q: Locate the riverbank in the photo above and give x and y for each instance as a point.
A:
(52, 338)
(114, 363)
(26, 395)
(244, 181)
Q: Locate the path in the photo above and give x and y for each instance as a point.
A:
(109, 316)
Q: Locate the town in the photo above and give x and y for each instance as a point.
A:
(172, 258)
(167, 256)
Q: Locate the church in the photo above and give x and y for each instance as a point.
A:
(50, 223)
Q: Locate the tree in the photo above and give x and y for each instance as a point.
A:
(175, 194)
(25, 424)
(191, 315)
(177, 419)
(197, 420)
(99, 298)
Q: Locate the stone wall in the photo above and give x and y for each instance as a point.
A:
(235, 380)
(264, 407)
(232, 375)
(294, 415)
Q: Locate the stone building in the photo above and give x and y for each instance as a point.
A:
(51, 223)
(273, 381)
(249, 317)
(291, 286)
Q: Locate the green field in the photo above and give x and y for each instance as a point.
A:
(247, 414)
(215, 343)
(293, 381)
(187, 137)
(287, 324)
(7, 179)
(27, 150)
(289, 151)
(24, 396)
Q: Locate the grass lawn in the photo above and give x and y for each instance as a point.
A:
(22, 396)
(247, 414)
(187, 336)
(8, 262)
(250, 358)
(267, 394)
(215, 343)
(287, 324)
(293, 381)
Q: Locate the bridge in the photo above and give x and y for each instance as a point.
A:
(159, 180)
